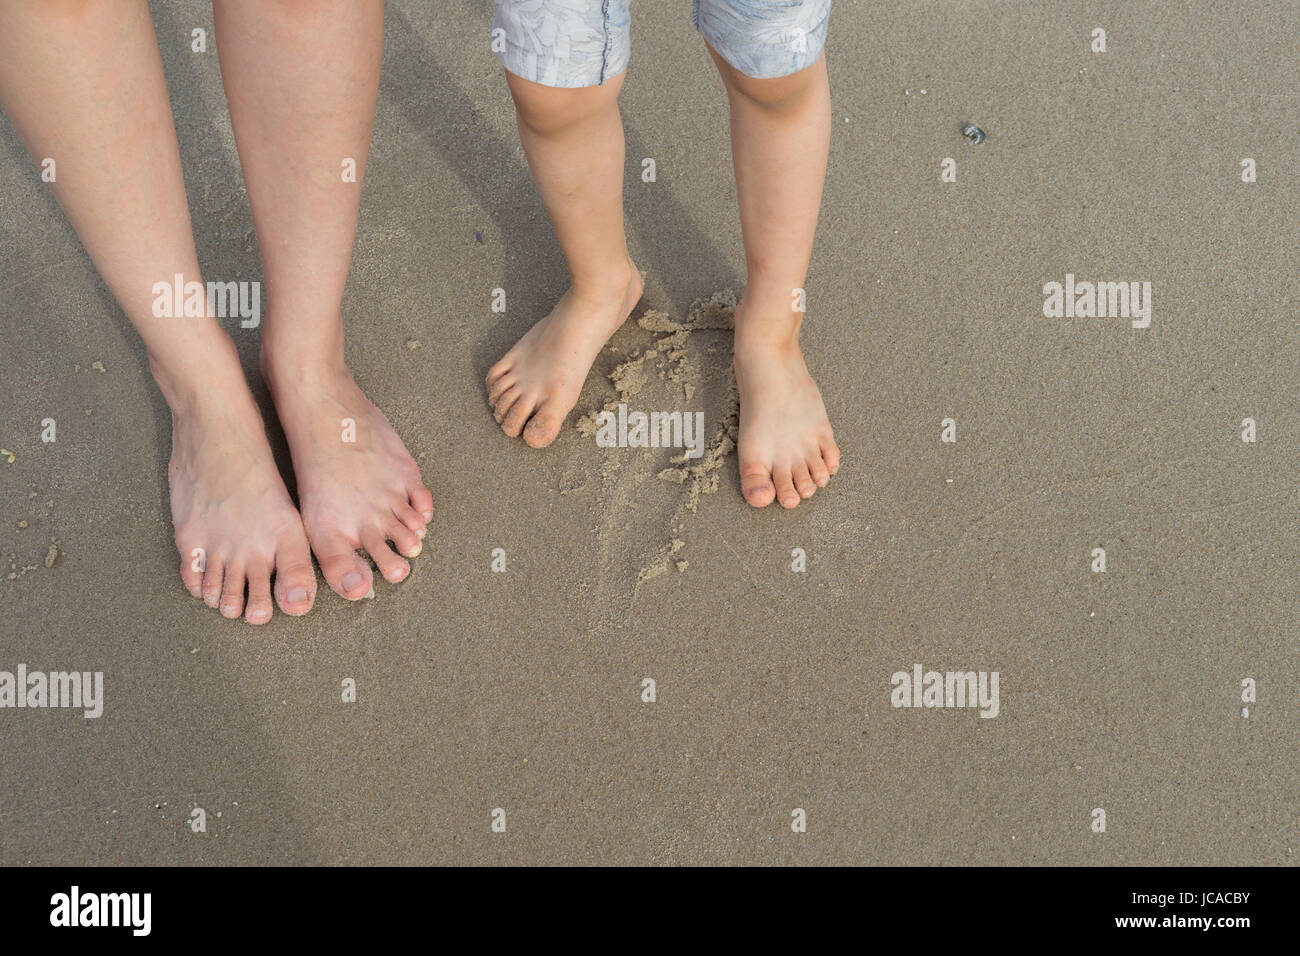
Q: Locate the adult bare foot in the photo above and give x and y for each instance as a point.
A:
(785, 447)
(235, 523)
(537, 383)
(358, 487)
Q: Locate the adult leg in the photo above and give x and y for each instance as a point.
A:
(302, 79)
(83, 84)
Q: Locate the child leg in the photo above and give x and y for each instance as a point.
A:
(572, 134)
(780, 135)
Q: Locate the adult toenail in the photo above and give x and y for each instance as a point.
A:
(297, 595)
(351, 580)
(428, 515)
(257, 615)
(420, 534)
(196, 591)
(228, 609)
(415, 552)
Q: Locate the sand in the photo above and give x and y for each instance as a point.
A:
(662, 377)
(522, 689)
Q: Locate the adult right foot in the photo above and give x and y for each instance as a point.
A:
(235, 523)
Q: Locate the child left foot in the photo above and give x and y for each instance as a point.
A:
(786, 447)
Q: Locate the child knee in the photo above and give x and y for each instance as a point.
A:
(548, 111)
(777, 94)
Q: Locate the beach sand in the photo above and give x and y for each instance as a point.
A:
(522, 690)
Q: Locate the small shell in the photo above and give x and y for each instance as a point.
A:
(973, 133)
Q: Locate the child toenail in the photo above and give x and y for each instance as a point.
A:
(351, 580)
(297, 595)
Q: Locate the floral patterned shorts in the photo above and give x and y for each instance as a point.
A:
(573, 43)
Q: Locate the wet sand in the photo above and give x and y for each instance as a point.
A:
(523, 689)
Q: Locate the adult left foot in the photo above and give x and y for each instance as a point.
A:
(786, 447)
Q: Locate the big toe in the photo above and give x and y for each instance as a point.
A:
(756, 485)
(543, 426)
(346, 574)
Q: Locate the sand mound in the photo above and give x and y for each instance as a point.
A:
(673, 369)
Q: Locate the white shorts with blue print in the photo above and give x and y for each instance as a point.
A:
(575, 43)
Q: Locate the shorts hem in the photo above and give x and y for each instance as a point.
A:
(752, 61)
(531, 67)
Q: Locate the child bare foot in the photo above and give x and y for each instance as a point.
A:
(536, 384)
(786, 448)
(228, 500)
(358, 487)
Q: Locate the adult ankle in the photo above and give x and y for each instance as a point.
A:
(192, 386)
(284, 365)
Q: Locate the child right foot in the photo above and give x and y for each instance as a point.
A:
(536, 384)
